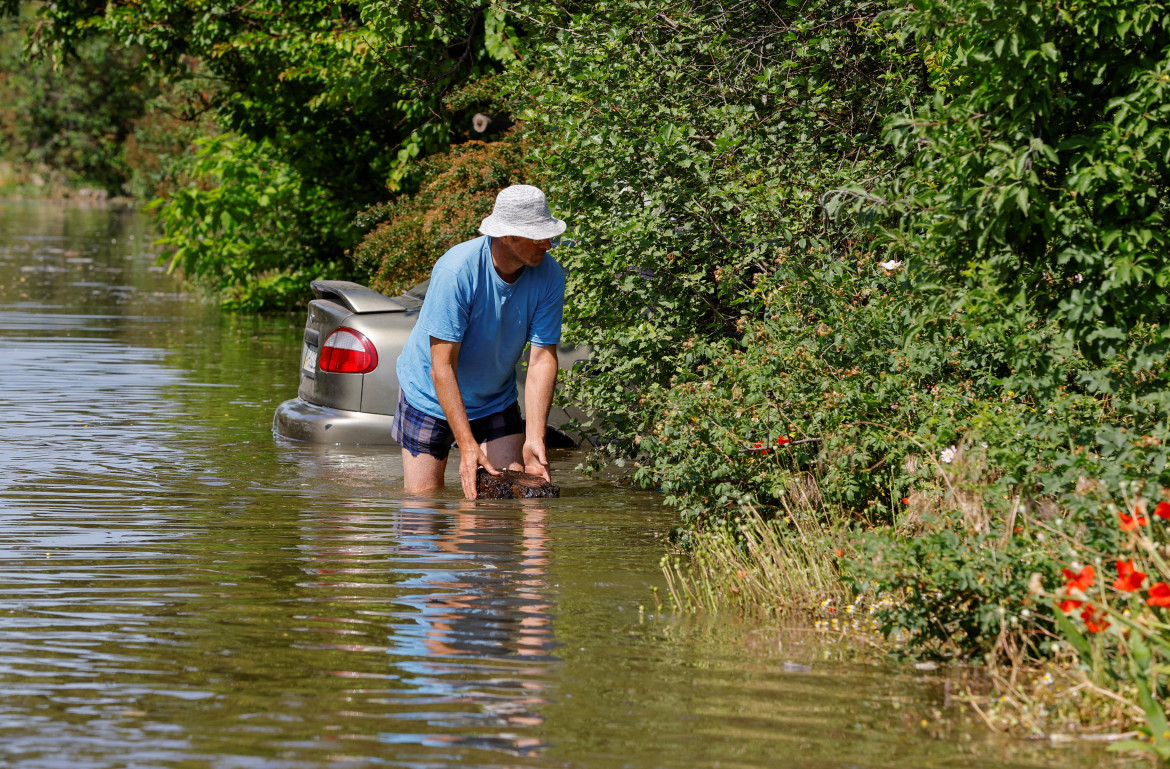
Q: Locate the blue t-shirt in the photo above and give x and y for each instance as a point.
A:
(468, 302)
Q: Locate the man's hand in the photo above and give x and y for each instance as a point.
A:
(469, 464)
(535, 461)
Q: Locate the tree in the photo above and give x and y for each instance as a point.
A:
(73, 120)
(345, 96)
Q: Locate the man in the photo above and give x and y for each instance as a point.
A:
(487, 299)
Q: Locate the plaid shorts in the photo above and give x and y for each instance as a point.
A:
(417, 431)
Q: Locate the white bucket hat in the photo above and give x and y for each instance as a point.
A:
(522, 210)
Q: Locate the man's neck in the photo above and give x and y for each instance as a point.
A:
(506, 265)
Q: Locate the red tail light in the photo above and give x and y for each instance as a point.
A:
(346, 351)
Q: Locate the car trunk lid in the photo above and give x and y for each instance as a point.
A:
(341, 303)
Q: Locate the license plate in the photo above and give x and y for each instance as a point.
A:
(310, 363)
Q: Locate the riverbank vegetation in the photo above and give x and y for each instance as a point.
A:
(881, 288)
(876, 291)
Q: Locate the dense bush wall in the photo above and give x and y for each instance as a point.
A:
(877, 263)
(691, 150)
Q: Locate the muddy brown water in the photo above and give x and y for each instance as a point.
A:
(178, 588)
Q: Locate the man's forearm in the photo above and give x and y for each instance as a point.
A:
(538, 390)
(444, 362)
(451, 401)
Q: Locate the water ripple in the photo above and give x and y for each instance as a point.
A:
(177, 589)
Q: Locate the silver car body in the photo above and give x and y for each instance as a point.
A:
(356, 409)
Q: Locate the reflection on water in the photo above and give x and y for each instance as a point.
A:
(180, 589)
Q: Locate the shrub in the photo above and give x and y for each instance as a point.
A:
(688, 148)
(248, 226)
(457, 192)
(961, 407)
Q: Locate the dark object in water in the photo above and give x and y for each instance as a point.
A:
(513, 484)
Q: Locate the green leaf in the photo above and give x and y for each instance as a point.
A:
(1155, 715)
(1075, 638)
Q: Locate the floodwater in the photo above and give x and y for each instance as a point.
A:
(178, 588)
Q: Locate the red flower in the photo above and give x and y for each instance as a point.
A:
(905, 500)
(1159, 594)
(782, 441)
(1129, 523)
(1162, 510)
(1068, 604)
(1095, 620)
(1129, 579)
(1081, 581)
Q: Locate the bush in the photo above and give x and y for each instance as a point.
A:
(249, 226)
(688, 149)
(458, 190)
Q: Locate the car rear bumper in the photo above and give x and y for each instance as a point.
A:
(303, 421)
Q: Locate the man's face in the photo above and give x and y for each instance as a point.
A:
(527, 251)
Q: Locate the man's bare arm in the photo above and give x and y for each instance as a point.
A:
(444, 361)
(538, 393)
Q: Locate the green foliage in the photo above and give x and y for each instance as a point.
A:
(752, 352)
(1036, 200)
(687, 147)
(435, 48)
(158, 151)
(962, 410)
(297, 75)
(815, 389)
(458, 190)
(248, 225)
(75, 119)
(1031, 211)
(343, 98)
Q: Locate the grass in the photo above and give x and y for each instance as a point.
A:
(759, 567)
(787, 568)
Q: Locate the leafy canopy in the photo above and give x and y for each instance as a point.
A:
(345, 97)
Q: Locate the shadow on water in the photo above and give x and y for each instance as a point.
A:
(180, 589)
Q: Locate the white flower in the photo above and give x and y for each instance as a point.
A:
(948, 455)
(891, 265)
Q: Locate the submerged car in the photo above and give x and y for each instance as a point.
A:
(348, 382)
